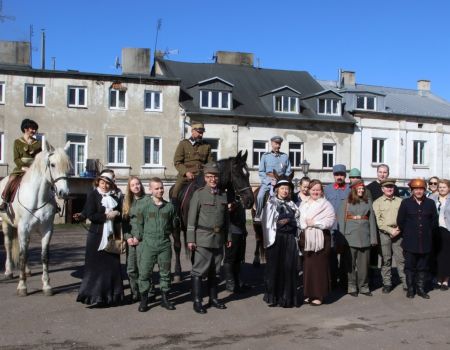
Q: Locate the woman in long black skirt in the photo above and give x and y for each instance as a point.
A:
(280, 222)
(102, 280)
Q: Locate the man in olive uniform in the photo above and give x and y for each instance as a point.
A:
(386, 209)
(190, 156)
(25, 149)
(155, 222)
(207, 230)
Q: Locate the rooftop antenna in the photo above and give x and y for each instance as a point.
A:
(117, 64)
(43, 49)
(54, 62)
(168, 52)
(3, 17)
(158, 27)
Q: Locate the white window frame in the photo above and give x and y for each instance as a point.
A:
(85, 153)
(365, 103)
(208, 104)
(297, 154)
(2, 147)
(152, 101)
(152, 145)
(419, 153)
(329, 153)
(259, 151)
(77, 103)
(34, 97)
(378, 147)
(116, 150)
(328, 101)
(2, 92)
(214, 151)
(285, 99)
(117, 99)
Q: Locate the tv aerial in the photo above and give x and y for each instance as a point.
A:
(3, 17)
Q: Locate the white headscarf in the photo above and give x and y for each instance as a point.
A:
(108, 229)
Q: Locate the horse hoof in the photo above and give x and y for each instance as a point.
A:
(22, 292)
(8, 276)
(48, 292)
(28, 273)
(176, 279)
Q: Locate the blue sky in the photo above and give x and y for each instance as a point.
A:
(386, 42)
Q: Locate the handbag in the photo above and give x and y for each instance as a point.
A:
(116, 245)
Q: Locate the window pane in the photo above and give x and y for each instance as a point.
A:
(148, 100)
(72, 96)
(360, 102)
(334, 108)
(157, 100)
(155, 151)
(204, 98)
(381, 152)
(1, 92)
(120, 150)
(225, 100)
(76, 138)
(322, 106)
(328, 109)
(29, 94)
(215, 99)
(81, 97)
(122, 99)
(285, 104)
(39, 95)
(374, 151)
(371, 103)
(278, 103)
(113, 98)
(293, 104)
(147, 150)
(111, 150)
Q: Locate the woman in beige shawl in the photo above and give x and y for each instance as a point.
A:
(316, 218)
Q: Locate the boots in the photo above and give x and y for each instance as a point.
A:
(144, 301)
(420, 283)
(230, 283)
(165, 302)
(197, 294)
(212, 288)
(410, 285)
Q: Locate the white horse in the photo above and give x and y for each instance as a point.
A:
(34, 206)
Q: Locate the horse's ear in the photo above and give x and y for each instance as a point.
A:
(275, 174)
(290, 177)
(67, 146)
(46, 147)
(239, 155)
(244, 156)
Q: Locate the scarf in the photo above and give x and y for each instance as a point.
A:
(109, 203)
(322, 212)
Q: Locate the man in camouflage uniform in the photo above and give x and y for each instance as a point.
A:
(190, 156)
(155, 222)
(208, 229)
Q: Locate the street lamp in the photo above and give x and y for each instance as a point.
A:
(305, 167)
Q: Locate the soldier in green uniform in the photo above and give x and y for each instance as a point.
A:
(190, 156)
(155, 223)
(207, 230)
(25, 149)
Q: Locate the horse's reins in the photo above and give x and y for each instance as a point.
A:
(52, 181)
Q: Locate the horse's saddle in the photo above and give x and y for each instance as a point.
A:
(13, 188)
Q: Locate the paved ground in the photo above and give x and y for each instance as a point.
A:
(58, 322)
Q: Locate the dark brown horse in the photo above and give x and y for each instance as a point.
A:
(234, 176)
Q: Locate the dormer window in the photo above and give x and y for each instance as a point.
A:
(329, 106)
(210, 99)
(368, 103)
(286, 104)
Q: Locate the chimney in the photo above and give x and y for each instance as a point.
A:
(15, 52)
(347, 78)
(135, 61)
(236, 58)
(424, 85)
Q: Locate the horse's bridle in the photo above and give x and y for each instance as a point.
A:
(52, 180)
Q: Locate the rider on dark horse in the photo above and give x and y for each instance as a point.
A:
(25, 149)
(190, 157)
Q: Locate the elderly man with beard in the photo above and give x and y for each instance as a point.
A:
(336, 193)
(417, 218)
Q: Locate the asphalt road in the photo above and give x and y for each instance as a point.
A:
(58, 322)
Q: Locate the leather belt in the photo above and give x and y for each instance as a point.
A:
(357, 217)
(215, 229)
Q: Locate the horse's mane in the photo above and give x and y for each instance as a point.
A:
(38, 167)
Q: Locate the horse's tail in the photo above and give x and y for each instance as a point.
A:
(15, 248)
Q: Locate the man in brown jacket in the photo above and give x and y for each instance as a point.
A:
(190, 156)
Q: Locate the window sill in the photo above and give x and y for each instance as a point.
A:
(153, 110)
(281, 112)
(117, 109)
(118, 166)
(79, 107)
(153, 166)
(417, 166)
(33, 105)
(216, 109)
(331, 114)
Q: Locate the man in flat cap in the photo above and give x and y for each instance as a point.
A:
(190, 156)
(270, 161)
(208, 230)
(386, 210)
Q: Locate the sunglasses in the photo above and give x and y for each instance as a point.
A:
(432, 183)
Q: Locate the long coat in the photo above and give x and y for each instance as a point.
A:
(358, 233)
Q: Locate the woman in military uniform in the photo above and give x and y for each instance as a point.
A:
(25, 149)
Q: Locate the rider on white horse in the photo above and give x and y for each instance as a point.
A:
(25, 149)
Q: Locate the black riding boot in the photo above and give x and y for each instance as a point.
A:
(212, 288)
(197, 294)
(230, 283)
(420, 283)
(165, 302)
(143, 304)
(410, 284)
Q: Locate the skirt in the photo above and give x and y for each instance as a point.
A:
(102, 279)
(443, 253)
(281, 273)
(316, 269)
